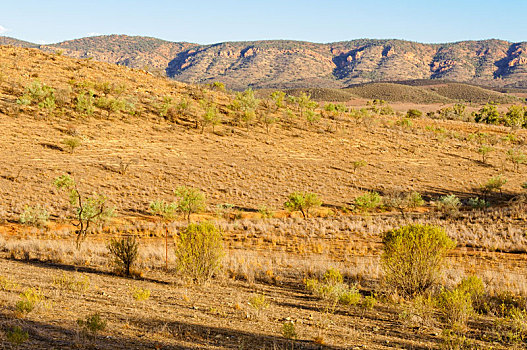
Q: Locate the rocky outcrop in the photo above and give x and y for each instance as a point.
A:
(290, 64)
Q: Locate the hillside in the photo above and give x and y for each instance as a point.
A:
(294, 64)
(135, 138)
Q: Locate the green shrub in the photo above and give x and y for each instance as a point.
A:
(72, 283)
(413, 113)
(405, 123)
(92, 324)
(72, 143)
(516, 157)
(88, 210)
(163, 209)
(368, 201)
(17, 336)
(265, 212)
(495, 183)
(312, 117)
(478, 203)
(191, 200)
(110, 105)
(516, 116)
(404, 201)
(258, 302)
(303, 202)
(34, 216)
(141, 294)
(84, 103)
(29, 298)
(512, 329)
(369, 302)
(332, 288)
(358, 164)
(199, 251)
(413, 257)
(488, 114)
(211, 116)
(449, 205)
(38, 93)
(456, 305)
(124, 252)
(288, 330)
(484, 150)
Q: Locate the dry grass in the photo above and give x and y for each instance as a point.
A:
(248, 169)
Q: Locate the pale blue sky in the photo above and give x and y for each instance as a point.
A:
(208, 21)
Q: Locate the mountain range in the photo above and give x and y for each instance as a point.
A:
(293, 64)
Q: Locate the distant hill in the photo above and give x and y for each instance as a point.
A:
(4, 40)
(296, 64)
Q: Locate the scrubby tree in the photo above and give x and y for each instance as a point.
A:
(268, 120)
(304, 102)
(516, 117)
(495, 183)
(303, 202)
(211, 117)
(517, 157)
(247, 103)
(88, 210)
(484, 150)
(191, 200)
(404, 201)
(488, 114)
(278, 98)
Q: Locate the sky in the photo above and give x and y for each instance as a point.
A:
(209, 21)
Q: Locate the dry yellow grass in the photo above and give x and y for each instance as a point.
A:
(249, 169)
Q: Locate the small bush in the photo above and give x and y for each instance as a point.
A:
(332, 288)
(484, 150)
(199, 251)
(358, 164)
(456, 305)
(258, 302)
(29, 299)
(512, 329)
(449, 205)
(141, 294)
(34, 216)
(265, 212)
(17, 336)
(72, 283)
(369, 302)
(288, 330)
(84, 103)
(413, 113)
(92, 324)
(303, 202)
(478, 203)
(368, 201)
(72, 143)
(516, 157)
(495, 183)
(124, 252)
(413, 257)
(404, 201)
(163, 209)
